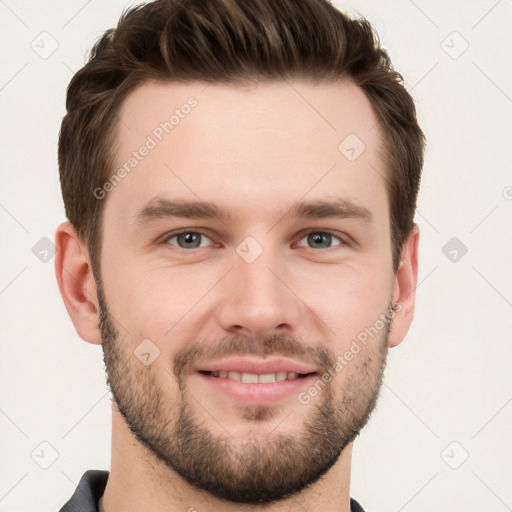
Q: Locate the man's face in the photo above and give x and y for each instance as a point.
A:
(260, 284)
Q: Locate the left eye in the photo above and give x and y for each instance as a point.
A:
(320, 240)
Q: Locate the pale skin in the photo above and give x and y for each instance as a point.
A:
(253, 151)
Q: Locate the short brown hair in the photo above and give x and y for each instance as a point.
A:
(231, 42)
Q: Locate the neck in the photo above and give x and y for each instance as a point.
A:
(139, 481)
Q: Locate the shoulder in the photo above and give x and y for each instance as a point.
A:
(90, 489)
(354, 506)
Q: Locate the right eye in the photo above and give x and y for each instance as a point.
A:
(187, 239)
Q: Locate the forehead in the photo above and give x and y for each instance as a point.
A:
(258, 146)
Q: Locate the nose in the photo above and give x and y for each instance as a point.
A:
(258, 298)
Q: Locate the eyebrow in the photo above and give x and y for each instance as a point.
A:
(160, 208)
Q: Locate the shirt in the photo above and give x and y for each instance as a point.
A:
(92, 486)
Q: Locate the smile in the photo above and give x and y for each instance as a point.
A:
(254, 378)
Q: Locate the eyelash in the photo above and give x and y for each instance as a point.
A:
(174, 234)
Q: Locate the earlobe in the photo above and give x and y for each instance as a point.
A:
(404, 289)
(76, 283)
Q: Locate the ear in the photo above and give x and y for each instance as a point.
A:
(404, 288)
(76, 283)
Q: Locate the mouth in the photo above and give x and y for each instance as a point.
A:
(253, 388)
(254, 378)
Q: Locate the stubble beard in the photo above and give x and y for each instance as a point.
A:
(257, 469)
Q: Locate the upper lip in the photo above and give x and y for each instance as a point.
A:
(257, 366)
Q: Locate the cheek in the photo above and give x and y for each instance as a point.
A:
(349, 300)
(133, 300)
(154, 301)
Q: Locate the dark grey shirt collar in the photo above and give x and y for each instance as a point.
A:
(92, 486)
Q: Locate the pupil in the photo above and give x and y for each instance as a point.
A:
(318, 238)
(189, 238)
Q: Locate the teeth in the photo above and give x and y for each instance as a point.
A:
(280, 376)
(250, 378)
(253, 378)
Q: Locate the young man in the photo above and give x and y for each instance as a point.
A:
(240, 179)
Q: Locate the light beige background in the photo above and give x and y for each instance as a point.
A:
(448, 387)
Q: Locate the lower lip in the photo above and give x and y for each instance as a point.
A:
(252, 393)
